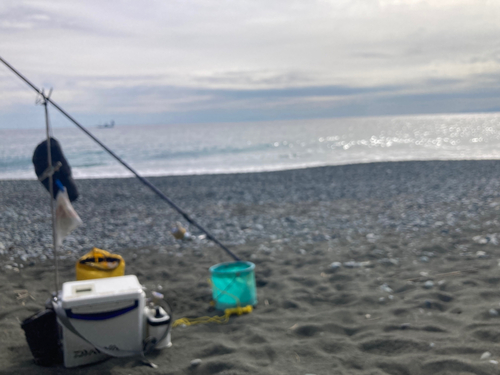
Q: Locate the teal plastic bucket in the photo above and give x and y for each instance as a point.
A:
(233, 284)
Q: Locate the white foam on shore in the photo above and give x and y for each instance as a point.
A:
(85, 173)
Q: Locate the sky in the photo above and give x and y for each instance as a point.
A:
(191, 61)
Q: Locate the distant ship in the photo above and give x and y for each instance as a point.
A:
(110, 125)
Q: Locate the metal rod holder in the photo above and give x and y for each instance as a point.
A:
(49, 172)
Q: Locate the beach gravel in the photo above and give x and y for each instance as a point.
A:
(345, 256)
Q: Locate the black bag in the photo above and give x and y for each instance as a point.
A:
(42, 335)
(63, 174)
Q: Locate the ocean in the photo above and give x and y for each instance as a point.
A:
(185, 149)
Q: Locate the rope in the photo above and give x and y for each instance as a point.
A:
(218, 319)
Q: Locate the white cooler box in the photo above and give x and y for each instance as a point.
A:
(108, 312)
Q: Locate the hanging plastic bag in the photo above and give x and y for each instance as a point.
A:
(66, 217)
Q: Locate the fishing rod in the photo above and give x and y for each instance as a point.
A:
(122, 162)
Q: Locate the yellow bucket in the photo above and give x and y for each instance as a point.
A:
(98, 264)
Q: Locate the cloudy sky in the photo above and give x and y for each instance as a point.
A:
(181, 61)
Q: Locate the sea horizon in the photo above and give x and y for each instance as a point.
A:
(264, 146)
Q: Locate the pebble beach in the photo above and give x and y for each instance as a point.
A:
(379, 268)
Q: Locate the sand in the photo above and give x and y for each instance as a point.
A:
(416, 292)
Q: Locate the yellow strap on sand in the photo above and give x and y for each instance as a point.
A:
(214, 319)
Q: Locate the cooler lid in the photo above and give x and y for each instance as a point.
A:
(78, 293)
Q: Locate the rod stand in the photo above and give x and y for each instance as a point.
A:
(44, 99)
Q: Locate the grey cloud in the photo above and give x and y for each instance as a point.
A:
(257, 78)
(193, 98)
(373, 55)
(179, 60)
(22, 16)
(239, 105)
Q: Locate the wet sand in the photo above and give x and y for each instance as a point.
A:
(415, 290)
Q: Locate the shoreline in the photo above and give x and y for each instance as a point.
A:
(272, 170)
